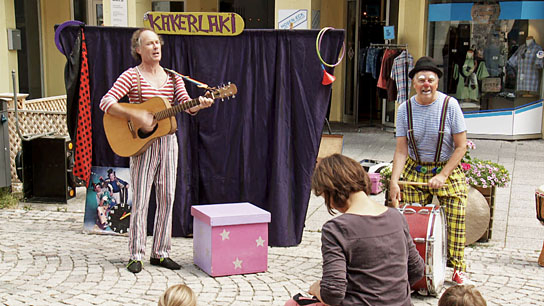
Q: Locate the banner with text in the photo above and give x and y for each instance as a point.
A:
(195, 23)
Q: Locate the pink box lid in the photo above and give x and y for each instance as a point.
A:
(230, 213)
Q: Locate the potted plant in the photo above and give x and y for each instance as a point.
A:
(385, 176)
(485, 176)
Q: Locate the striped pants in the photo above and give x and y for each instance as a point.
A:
(157, 165)
(453, 198)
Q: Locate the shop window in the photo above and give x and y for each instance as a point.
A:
(80, 10)
(168, 6)
(257, 14)
(490, 52)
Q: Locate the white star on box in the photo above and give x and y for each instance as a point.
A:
(225, 235)
(237, 263)
(260, 241)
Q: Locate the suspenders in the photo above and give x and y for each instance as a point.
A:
(139, 88)
(170, 75)
(411, 138)
(441, 131)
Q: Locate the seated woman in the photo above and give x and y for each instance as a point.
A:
(369, 257)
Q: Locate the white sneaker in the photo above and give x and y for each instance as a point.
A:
(461, 278)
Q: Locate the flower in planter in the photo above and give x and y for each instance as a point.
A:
(385, 176)
(485, 173)
(467, 158)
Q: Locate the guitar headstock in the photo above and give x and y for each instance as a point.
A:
(224, 91)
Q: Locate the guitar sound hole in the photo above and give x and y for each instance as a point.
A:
(144, 135)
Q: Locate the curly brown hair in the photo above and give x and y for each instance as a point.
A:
(462, 295)
(336, 177)
(135, 42)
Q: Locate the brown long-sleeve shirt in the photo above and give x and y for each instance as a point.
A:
(369, 260)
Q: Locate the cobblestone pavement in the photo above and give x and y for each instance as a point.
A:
(47, 259)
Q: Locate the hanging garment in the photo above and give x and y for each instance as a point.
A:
(385, 67)
(399, 73)
(71, 82)
(371, 56)
(467, 79)
(385, 81)
(494, 59)
(83, 148)
(528, 65)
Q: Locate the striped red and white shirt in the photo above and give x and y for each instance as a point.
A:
(127, 83)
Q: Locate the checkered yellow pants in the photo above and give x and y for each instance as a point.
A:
(453, 198)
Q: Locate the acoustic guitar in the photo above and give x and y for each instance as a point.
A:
(126, 139)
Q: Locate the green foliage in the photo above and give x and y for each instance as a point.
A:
(385, 176)
(8, 199)
(483, 173)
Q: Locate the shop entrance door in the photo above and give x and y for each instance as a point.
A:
(29, 58)
(365, 25)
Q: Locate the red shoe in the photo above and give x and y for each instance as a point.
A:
(461, 278)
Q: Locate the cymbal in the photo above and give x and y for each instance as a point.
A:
(477, 216)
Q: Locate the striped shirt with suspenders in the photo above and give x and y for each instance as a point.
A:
(411, 138)
(452, 195)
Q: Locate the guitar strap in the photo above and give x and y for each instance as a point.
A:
(187, 78)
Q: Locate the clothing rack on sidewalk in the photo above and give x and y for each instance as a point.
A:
(406, 87)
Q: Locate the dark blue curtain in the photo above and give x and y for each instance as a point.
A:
(258, 147)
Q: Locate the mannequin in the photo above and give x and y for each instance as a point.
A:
(468, 76)
(494, 55)
(528, 66)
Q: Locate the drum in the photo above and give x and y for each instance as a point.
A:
(428, 229)
(539, 198)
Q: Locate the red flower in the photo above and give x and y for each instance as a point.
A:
(465, 166)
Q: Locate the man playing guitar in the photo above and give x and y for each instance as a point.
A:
(158, 163)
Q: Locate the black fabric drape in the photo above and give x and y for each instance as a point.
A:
(71, 82)
(259, 147)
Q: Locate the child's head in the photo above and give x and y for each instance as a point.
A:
(462, 295)
(178, 295)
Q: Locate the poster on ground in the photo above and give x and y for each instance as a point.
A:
(108, 203)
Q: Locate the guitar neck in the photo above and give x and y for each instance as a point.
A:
(172, 111)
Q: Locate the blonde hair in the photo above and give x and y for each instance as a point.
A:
(462, 295)
(178, 295)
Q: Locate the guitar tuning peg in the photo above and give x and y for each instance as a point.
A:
(222, 99)
(233, 96)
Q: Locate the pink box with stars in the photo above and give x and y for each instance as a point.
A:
(230, 238)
